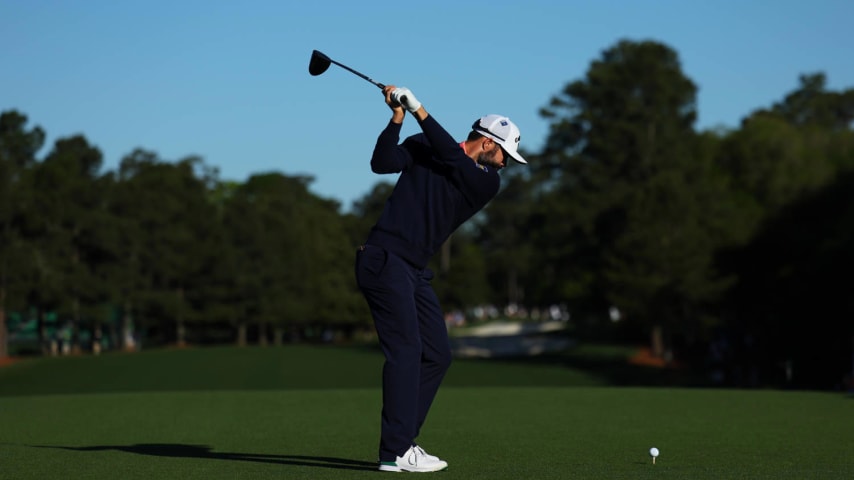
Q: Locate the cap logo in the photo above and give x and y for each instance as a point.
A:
(504, 123)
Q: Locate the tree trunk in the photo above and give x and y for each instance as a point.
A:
(75, 327)
(181, 334)
(278, 335)
(241, 334)
(96, 339)
(180, 329)
(75, 310)
(128, 342)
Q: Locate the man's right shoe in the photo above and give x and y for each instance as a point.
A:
(414, 460)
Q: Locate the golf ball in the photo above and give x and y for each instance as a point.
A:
(653, 452)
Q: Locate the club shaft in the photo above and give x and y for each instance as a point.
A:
(358, 73)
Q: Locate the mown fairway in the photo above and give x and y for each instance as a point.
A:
(312, 412)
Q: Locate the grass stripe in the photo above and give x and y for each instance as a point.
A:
(232, 368)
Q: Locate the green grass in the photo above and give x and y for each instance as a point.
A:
(231, 368)
(313, 412)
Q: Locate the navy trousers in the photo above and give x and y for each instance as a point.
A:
(413, 337)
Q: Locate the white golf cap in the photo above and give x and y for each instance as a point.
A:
(503, 131)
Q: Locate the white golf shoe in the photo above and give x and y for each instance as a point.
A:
(415, 460)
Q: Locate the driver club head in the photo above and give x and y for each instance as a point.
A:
(319, 63)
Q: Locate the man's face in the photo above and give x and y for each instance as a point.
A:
(495, 158)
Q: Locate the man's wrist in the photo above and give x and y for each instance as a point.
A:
(420, 114)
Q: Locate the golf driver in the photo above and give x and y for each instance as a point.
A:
(320, 62)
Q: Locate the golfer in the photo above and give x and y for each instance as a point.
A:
(442, 183)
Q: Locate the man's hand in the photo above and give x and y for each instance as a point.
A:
(396, 108)
(403, 96)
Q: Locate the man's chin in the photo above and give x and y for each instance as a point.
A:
(489, 164)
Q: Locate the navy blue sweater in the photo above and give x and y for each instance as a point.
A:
(439, 188)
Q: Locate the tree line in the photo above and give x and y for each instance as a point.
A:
(729, 249)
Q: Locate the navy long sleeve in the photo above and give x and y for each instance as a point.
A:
(439, 188)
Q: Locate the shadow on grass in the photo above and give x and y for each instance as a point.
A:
(202, 451)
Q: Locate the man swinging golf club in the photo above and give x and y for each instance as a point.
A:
(442, 183)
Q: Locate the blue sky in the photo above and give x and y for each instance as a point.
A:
(229, 81)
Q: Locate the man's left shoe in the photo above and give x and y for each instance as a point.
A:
(415, 460)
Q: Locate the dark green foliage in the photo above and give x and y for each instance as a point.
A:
(813, 105)
(504, 234)
(18, 149)
(637, 204)
(793, 304)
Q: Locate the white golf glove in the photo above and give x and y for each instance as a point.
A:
(405, 97)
